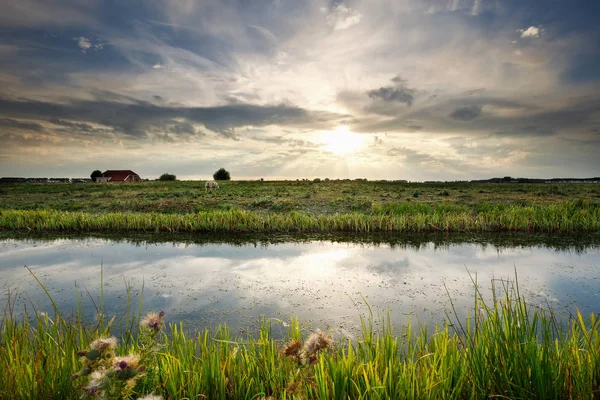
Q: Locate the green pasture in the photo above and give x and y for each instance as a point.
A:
(300, 206)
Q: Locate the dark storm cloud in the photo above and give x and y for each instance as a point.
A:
(398, 93)
(14, 124)
(138, 119)
(73, 125)
(491, 116)
(182, 128)
(466, 113)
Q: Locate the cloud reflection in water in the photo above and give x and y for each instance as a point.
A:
(321, 282)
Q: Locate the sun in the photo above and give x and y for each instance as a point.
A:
(342, 141)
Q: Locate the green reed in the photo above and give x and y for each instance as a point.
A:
(504, 349)
(565, 216)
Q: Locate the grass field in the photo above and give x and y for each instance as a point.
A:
(301, 206)
(505, 350)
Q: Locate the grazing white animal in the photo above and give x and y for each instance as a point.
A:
(211, 185)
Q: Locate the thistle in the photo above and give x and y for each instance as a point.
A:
(292, 349)
(104, 344)
(97, 358)
(126, 367)
(153, 321)
(316, 342)
(98, 382)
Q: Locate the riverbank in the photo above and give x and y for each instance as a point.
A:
(302, 206)
(561, 217)
(506, 350)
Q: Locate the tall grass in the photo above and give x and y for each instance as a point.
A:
(567, 216)
(504, 350)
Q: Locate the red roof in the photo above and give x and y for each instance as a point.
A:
(119, 175)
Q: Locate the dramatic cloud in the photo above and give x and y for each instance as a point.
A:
(14, 124)
(279, 88)
(398, 93)
(139, 118)
(466, 113)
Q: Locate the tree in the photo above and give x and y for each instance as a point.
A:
(95, 174)
(167, 177)
(221, 175)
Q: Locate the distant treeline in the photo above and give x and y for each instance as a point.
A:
(506, 179)
(43, 180)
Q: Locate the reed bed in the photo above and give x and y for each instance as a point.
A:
(505, 350)
(565, 216)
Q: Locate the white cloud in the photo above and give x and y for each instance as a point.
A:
(87, 43)
(158, 66)
(475, 9)
(83, 43)
(532, 31)
(342, 17)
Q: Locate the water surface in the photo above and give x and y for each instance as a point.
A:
(323, 282)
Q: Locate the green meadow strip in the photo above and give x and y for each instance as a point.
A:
(567, 216)
(504, 350)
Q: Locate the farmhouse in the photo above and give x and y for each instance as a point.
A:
(119, 176)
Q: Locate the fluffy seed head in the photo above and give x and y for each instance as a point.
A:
(98, 375)
(96, 382)
(153, 321)
(130, 361)
(103, 344)
(292, 348)
(314, 343)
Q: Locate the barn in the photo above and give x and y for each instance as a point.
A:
(124, 175)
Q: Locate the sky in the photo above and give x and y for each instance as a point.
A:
(290, 89)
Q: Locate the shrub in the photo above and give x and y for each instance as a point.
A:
(221, 175)
(95, 174)
(167, 177)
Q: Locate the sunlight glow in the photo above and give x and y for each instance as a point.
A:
(342, 141)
